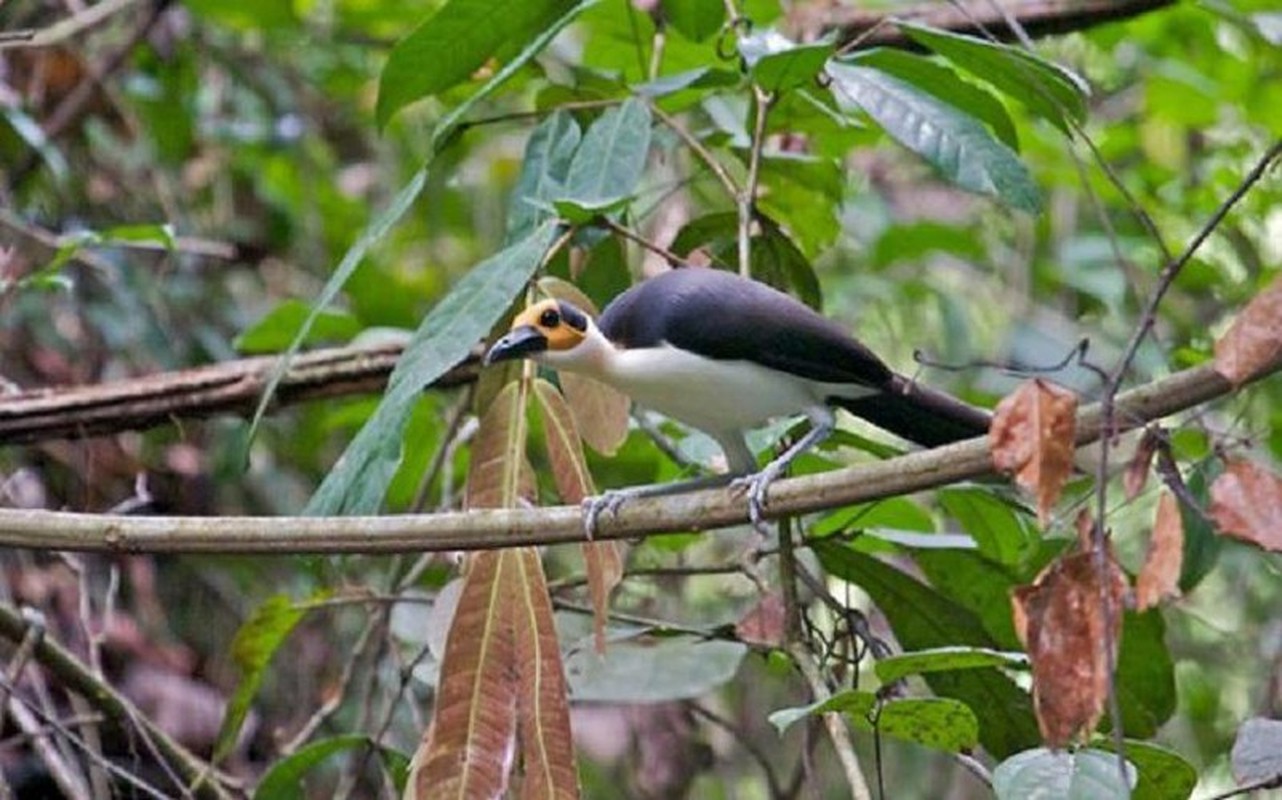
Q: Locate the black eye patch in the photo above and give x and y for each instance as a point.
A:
(549, 318)
(573, 317)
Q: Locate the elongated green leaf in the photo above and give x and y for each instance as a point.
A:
(358, 482)
(1002, 533)
(252, 650)
(1164, 774)
(375, 231)
(1048, 90)
(695, 19)
(1062, 775)
(611, 159)
(932, 721)
(957, 144)
(454, 42)
(547, 161)
(284, 780)
(940, 659)
(277, 329)
(777, 64)
(943, 83)
(923, 619)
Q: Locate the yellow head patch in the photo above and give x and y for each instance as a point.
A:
(563, 325)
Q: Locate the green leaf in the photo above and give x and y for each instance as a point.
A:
(456, 41)
(252, 650)
(1003, 532)
(935, 722)
(1145, 674)
(775, 259)
(611, 159)
(941, 659)
(547, 160)
(777, 64)
(689, 667)
(277, 329)
(284, 780)
(376, 230)
(1202, 545)
(957, 144)
(263, 15)
(123, 235)
(943, 83)
(1164, 774)
(923, 619)
(1046, 89)
(695, 19)
(358, 482)
(1062, 775)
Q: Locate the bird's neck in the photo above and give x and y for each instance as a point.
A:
(594, 357)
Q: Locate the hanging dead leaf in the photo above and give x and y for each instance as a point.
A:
(600, 412)
(467, 750)
(1246, 503)
(1252, 345)
(603, 560)
(499, 475)
(1136, 475)
(1032, 437)
(543, 712)
(1060, 620)
(1159, 578)
(1084, 523)
(764, 623)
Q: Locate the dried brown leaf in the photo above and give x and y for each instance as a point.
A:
(499, 475)
(1246, 503)
(468, 749)
(603, 560)
(543, 713)
(600, 412)
(1159, 578)
(1063, 625)
(1032, 437)
(764, 623)
(1136, 475)
(1253, 343)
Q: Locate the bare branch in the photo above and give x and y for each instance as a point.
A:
(232, 387)
(977, 17)
(490, 528)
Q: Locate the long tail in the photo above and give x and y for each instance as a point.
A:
(919, 414)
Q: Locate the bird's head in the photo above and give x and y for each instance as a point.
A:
(551, 331)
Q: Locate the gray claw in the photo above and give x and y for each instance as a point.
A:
(594, 506)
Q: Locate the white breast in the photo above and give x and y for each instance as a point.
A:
(713, 395)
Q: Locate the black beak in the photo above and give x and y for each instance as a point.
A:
(516, 343)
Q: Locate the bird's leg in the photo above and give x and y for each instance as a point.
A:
(611, 499)
(758, 483)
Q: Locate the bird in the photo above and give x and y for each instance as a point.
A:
(726, 354)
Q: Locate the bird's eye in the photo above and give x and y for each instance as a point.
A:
(549, 318)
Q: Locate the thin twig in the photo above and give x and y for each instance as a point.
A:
(747, 198)
(698, 149)
(1099, 534)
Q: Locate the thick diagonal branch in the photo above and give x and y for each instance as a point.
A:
(232, 387)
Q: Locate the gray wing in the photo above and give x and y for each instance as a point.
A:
(723, 316)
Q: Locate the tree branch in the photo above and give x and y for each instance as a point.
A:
(232, 387)
(77, 677)
(982, 18)
(490, 528)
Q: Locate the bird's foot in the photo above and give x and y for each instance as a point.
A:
(756, 486)
(594, 507)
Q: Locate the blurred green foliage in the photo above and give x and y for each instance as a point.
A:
(201, 199)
